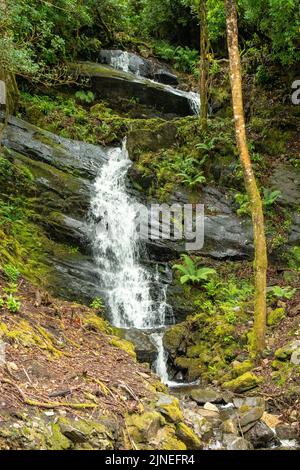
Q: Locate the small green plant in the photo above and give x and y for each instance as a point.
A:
(282, 292)
(190, 271)
(270, 197)
(97, 304)
(230, 317)
(1, 302)
(11, 288)
(243, 202)
(192, 181)
(11, 273)
(85, 96)
(13, 304)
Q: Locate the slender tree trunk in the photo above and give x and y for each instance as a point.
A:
(260, 262)
(204, 65)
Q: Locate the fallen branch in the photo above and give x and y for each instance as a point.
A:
(27, 401)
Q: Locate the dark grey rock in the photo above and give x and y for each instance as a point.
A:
(108, 82)
(145, 349)
(130, 62)
(68, 155)
(260, 435)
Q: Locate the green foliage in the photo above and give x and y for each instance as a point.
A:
(183, 58)
(190, 271)
(282, 292)
(97, 304)
(243, 201)
(13, 304)
(11, 272)
(270, 197)
(85, 96)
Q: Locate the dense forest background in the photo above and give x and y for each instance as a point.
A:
(35, 34)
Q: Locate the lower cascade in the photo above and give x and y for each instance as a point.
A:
(116, 248)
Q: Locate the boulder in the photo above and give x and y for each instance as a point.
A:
(248, 417)
(286, 431)
(169, 407)
(295, 357)
(188, 436)
(202, 396)
(260, 435)
(145, 349)
(111, 83)
(243, 383)
(70, 156)
(233, 442)
(130, 62)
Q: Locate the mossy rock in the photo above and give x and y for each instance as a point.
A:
(187, 435)
(192, 367)
(240, 368)
(169, 407)
(174, 339)
(124, 345)
(276, 316)
(167, 439)
(243, 383)
(141, 428)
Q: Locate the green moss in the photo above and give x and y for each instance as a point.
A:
(57, 441)
(169, 407)
(141, 428)
(243, 383)
(188, 436)
(174, 336)
(241, 368)
(276, 316)
(284, 353)
(123, 344)
(167, 440)
(193, 367)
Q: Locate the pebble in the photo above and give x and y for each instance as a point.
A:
(211, 407)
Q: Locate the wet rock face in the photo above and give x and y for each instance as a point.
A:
(130, 62)
(111, 83)
(145, 350)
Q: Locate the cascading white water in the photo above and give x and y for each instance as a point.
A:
(122, 62)
(116, 249)
(161, 361)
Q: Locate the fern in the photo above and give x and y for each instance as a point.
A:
(191, 273)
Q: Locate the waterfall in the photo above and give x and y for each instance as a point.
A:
(121, 61)
(161, 361)
(116, 249)
(124, 61)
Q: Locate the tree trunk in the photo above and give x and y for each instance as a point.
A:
(204, 65)
(260, 262)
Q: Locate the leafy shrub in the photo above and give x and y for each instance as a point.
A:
(282, 292)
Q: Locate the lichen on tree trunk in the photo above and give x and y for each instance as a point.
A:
(260, 262)
(204, 66)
